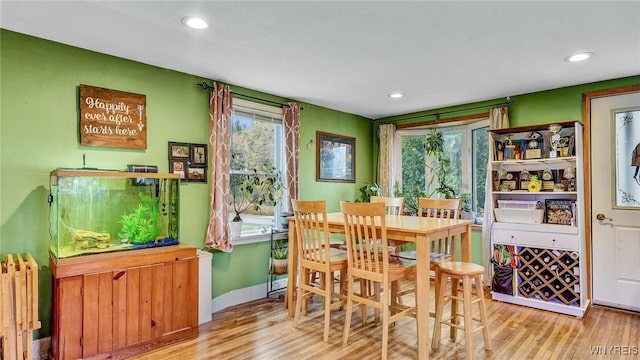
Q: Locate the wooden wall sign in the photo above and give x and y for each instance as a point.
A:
(112, 118)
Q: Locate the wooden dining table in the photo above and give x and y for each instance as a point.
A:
(419, 230)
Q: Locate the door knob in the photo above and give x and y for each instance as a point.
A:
(601, 217)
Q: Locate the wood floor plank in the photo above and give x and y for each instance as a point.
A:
(262, 330)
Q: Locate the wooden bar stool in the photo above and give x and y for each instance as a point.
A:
(465, 272)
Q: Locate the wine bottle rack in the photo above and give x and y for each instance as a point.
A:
(549, 275)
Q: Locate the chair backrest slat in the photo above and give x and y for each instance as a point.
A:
(367, 257)
(312, 230)
(393, 205)
(439, 208)
(443, 209)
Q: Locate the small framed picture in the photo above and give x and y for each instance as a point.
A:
(178, 167)
(197, 174)
(198, 154)
(178, 150)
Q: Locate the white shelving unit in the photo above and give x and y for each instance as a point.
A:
(549, 271)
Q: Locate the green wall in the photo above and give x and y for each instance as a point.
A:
(39, 116)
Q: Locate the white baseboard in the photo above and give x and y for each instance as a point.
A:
(244, 295)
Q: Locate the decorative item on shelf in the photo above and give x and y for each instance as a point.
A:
(534, 184)
(499, 151)
(560, 211)
(513, 148)
(570, 176)
(547, 180)
(564, 146)
(525, 176)
(534, 148)
(558, 187)
(554, 140)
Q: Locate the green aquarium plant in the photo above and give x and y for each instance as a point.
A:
(141, 225)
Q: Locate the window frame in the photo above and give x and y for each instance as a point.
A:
(247, 237)
(467, 128)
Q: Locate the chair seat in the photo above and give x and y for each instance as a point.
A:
(398, 269)
(461, 268)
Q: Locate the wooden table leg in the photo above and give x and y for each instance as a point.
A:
(465, 244)
(422, 294)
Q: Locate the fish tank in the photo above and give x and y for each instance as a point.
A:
(94, 212)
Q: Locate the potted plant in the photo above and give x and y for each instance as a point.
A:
(369, 190)
(279, 255)
(466, 212)
(251, 191)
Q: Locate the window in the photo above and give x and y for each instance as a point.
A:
(467, 148)
(256, 139)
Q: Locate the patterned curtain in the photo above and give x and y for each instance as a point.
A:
(498, 119)
(291, 150)
(218, 235)
(385, 165)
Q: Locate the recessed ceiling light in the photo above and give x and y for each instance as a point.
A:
(579, 57)
(195, 23)
(396, 95)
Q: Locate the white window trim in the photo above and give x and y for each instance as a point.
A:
(268, 111)
(467, 130)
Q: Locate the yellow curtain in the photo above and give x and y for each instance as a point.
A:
(385, 164)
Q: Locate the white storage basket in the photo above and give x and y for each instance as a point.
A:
(520, 216)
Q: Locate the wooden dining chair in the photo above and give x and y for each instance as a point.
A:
(441, 249)
(316, 256)
(393, 205)
(364, 224)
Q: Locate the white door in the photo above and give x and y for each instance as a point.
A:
(615, 231)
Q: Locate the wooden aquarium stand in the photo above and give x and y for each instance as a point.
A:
(114, 305)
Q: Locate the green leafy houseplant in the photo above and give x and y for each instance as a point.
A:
(280, 253)
(434, 147)
(256, 189)
(466, 202)
(369, 190)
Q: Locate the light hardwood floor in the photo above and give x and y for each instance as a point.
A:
(262, 330)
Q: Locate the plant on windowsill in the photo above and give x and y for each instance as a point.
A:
(254, 190)
(466, 212)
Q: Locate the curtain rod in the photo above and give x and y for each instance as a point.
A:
(509, 102)
(206, 86)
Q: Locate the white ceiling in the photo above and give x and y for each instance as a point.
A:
(349, 55)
